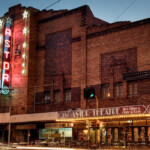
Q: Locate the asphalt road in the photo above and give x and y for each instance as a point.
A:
(62, 148)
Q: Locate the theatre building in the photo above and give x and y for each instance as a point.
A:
(68, 76)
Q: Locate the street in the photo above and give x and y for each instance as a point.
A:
(61, 148)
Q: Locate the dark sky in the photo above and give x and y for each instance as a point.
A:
(108, 10)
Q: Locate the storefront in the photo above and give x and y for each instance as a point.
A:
(110, 126)
(56, 132)
(23, 133)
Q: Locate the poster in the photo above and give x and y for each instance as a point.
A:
(148, 134)
(116, 135)
(129, 135)
(103, 135)
(142, 134)
(123, 134)
(80, 135)
(109, 133)
(136, 134)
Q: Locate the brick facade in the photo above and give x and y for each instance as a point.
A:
(74, 50)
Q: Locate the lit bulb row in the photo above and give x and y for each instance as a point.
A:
(24, 45)
(105, 117)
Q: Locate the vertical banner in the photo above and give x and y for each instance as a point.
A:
(5, 81)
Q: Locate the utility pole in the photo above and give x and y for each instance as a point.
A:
(9, 125)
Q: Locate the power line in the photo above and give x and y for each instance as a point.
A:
(52, 4)
(124, 10)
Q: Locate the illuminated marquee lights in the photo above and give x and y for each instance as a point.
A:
(1, 39)
(1, 23)
(1, 35)
(25, 14)
(25, 44)
(6, 57)
(25, 31)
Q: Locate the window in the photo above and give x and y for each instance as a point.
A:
(46, 97)
(67, 95)
(18, 49)
(132, 88)
(118, 90)
(56, 96)
(105, 91)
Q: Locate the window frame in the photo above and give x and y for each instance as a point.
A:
(58, 101)
(65, 91)
(46, 100)
(133, 90)
(118, 90)
(105, 90)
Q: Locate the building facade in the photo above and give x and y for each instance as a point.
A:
(49, 58)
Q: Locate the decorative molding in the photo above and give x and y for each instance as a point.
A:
(136, 75)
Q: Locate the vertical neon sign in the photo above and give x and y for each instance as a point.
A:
(6, 57)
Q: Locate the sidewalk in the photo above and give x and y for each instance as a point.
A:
(67, 148)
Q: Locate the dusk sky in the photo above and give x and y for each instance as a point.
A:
(108, 10)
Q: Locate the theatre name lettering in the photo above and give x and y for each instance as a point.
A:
(125, 110)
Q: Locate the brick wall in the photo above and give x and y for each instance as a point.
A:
(58, 55)
(116, 63)
(73, 49)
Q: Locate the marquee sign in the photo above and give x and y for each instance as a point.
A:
(5, 81)
(124, 110)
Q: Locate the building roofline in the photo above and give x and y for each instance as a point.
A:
(119, 28)
(83, 10)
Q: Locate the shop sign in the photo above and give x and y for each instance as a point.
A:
(6, 57)
(26, 127)
(139, 109)
(148, 109)
(125, 110)
(57, 125)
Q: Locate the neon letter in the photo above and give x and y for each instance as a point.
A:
(5, 77)
(7, 32)
(6, 65)
(7, 53)
(7, 43)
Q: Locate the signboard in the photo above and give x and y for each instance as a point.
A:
(6, 57)
(148, 109)
(125, 110)
(57, 125)
(25, 127)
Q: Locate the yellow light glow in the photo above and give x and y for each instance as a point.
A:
(25, 14)
(46, 148)
(25, 30)
(23, 64)
(85, 131)
(23, 71)
(1, 23)
(24, 55)
(105, 117)
(24, 45)
(1, 39)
